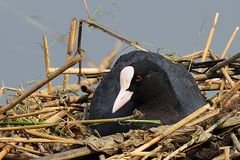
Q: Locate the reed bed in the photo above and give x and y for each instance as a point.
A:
(49, 123)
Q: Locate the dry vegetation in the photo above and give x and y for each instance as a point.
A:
(49, 123)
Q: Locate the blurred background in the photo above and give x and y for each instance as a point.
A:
(179, 27)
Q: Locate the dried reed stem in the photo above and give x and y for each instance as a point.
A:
(5, 150)
(226, 150)
(212, 87)
(226, 75)
(173, 154)
(194, 55)
(85, 71)
(222, 86)
(39, 140)
(43, 135)
(79, 46)
(71, 42)
(223, 55)
(47, 62)
(235, 141)
(79, 152)
(206, 76)
(25, 115)
(203, 118)
(56, 117)
(230, 93)
(69, 64)
(174, 127)
(57, 102)
(224, 63)
(210, 37)
(194, 139)
(27, 149)
(157, 149)
(120, 37)
(27, 127)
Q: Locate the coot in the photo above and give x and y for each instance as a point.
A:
(148, 82)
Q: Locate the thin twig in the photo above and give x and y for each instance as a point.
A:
(86, 7)
(120, 37)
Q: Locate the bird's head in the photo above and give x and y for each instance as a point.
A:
(138, 83)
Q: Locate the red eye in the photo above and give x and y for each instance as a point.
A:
(139, 78)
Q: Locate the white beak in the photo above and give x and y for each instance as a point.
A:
(124, 96)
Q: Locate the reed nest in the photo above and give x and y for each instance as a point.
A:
(50, 123)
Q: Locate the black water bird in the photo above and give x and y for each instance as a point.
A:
(148, 82)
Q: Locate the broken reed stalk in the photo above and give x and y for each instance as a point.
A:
(199, 54)
(203, 118)
(24, 115)
(206, 76)
(230, 93)
(212, 55)
(39, 140)
(56, 117)
(174, 127)
(5, 150)
(79, 49)
(235, 141)
(47, 62)
(69, 64)
(170, 129)
(193, 55)
(224, 63)
(43, 135)
(85, 71)
(27, 127)
(196, 138)
(212, 87)
(118, 36)
(75, 153)
(71, 43)
(221, 89)
(226, 150)
(157, 149)
(58, 102)
(27, 149)
(210, 37)
(227, 76)
(144, 153)
(223, 55)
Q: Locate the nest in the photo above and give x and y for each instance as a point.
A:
(50, 123)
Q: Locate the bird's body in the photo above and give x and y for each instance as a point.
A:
(157, 87)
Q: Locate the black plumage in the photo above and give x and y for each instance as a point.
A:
(161, 90)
